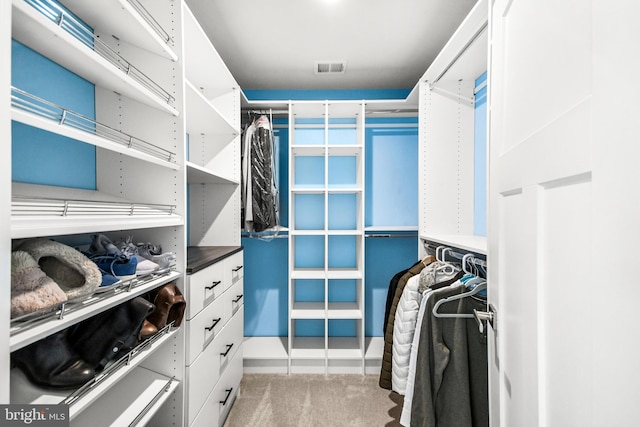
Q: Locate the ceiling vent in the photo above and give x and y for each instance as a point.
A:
(330, 67)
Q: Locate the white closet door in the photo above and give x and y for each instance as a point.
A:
(540, 199)
(564, 212)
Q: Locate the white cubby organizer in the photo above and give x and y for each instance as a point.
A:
(446, 135)
(166, 138)
(326, 237)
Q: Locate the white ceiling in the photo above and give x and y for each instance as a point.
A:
(274, 44)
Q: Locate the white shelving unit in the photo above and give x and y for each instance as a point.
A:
(155, 82)
(326, 200)
(446, 135)
(212, 104)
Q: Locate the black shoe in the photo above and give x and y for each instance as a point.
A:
(51, 362)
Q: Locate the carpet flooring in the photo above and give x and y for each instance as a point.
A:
(302, 400)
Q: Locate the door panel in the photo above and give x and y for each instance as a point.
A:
(539, 208)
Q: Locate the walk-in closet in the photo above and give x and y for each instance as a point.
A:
(334, 212)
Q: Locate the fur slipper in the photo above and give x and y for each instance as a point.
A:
(31, 289)
(75, 273)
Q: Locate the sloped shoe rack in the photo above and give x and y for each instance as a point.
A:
(131, 51)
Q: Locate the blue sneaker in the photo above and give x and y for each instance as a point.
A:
(121, 267)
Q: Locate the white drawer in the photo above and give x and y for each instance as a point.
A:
(204, 327)
(219, 402)
(204, 286)
(231, 339)
(234, 268)
(234, 299)
(205, 371)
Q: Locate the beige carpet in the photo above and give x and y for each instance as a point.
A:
(273, 400)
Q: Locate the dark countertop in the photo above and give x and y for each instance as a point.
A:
(199, 257)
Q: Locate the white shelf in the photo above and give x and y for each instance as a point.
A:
(344, 310)
(344, 273)
(204, 66)
(477, 244)
(24, 392)
(344, 189)
(198, 175)
(344, 348)
(140, 394)
(308, 190)
(308, 310)
(307, 233)
(331, 232)
(308, 348)
(308, 273)
(31, 28)
(39, 210)
(344, 150)
(374, 347)
(308, 150)
(204, 118)
(265, 348)
(92, 306)
(54, 126)
(391, 228)
(124, 22)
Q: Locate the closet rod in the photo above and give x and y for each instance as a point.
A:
(475, 37)
(391, 235)
(457, 253)
(265, 111)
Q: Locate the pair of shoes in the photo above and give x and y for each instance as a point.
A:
(170, 306)
(52, 362)
(76, 274)
(144, 266)
(31, 289)
(154, 253)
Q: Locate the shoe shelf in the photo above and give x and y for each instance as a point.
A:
(31, 110)
(120, 376)
(73, 46)
(137, 397)
(32, 327)
(47, 210)
(128, 20)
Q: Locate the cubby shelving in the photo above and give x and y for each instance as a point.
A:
(326, 237)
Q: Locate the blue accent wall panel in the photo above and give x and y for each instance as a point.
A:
(391, 173)
(40, 157)
(480, 160)
(265, 285)
(320, 95)
(384, 257)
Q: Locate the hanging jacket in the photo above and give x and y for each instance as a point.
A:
(403, 329)
(387, 356)
(433, 276)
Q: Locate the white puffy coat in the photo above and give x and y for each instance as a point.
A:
(403, 331)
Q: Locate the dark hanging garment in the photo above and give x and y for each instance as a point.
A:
(262, 161)
(259, 192)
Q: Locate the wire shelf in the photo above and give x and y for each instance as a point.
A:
(42, 108)
(22, 206)
(84, 34)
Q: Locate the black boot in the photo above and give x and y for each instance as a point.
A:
(51, 362)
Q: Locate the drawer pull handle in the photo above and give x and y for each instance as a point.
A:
(215, 322)
(213, 285)
(238, 299)
(237, 268)
(229, 346)
(224, 402)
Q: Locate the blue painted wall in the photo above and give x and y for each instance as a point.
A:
(40, 157)
(480, 159)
